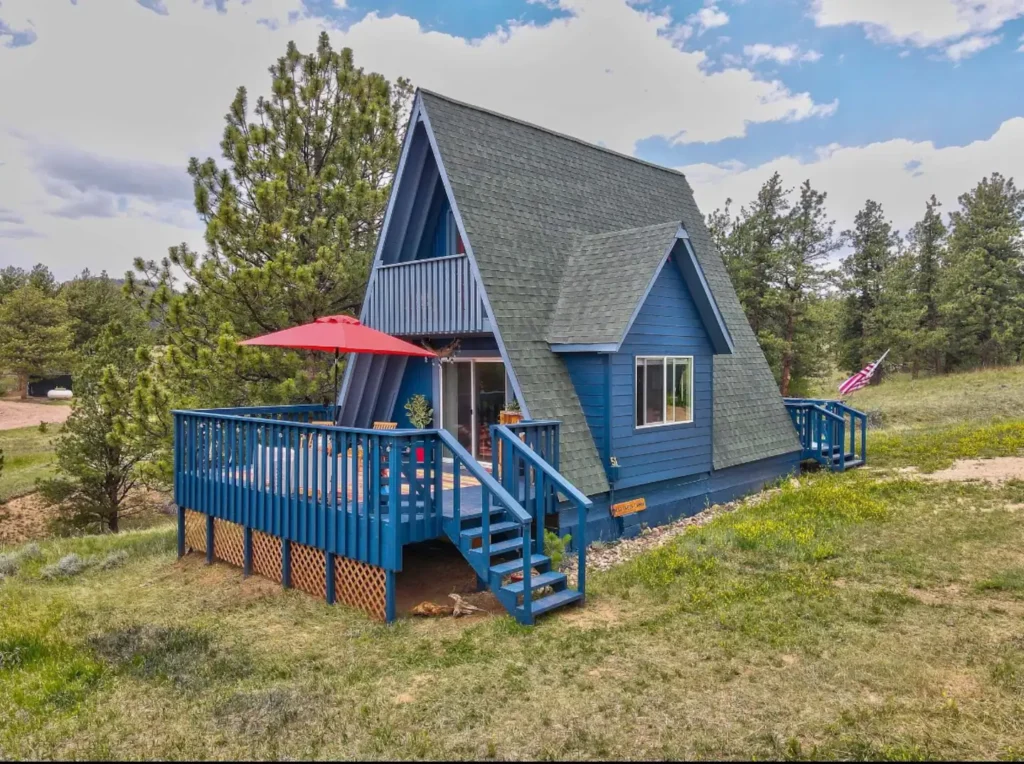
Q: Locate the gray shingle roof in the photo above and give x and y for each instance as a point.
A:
(605, 277)
(526, 196)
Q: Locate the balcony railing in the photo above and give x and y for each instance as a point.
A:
(438, 296)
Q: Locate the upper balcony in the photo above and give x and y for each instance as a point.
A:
(435, 296)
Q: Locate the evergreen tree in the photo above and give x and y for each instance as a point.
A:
(100, 456)
(291, 225)
(809, 242)
(874, 243)
(13, 278)
(776, 253)
(92, 303)
(983, 291)
(34, 335)
(927, 242)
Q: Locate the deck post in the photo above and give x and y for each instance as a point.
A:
(209, 539)
(286, 564)
(330, 577)
(389, 593)
(246, 551)
(181, 531)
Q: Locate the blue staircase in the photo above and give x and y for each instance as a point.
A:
(497, 537)
(831, 433)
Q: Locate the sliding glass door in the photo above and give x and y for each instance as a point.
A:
(473, 393)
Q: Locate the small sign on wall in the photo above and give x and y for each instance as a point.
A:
(629, 507)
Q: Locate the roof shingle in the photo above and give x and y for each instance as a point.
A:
(528, 197)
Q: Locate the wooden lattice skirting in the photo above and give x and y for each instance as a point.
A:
(357, 584)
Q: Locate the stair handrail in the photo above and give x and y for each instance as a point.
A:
(563, 486)
(489, 483)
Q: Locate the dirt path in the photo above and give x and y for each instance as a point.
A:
(15, 414)
(997, 470)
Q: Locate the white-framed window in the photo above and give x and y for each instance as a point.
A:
(664, 390)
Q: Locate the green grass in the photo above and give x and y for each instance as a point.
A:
(901, 403)
(28, 456)
(854, 616)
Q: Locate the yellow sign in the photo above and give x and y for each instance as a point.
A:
(629, 507)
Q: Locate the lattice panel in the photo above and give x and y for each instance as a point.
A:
(195, 531)
(309, 570)
(360, 585)
(266, 555)
(229, 542)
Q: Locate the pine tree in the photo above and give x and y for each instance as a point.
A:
(776, 256)
(92, 303)
(874, 243)
(34, 335)
(291, 224)
(983, 290)
(927, 241)
(810, 241)
(101, 459)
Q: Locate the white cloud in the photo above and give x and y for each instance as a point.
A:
(117, 84)
(900, 174)
(709, 17)
(968, 46)
(922, 23)
(780, 54)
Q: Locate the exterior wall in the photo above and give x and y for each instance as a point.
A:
(673, 499)
(418, 379)
(667, 324)
(589, 374)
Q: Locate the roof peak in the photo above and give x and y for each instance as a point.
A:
(549, 131)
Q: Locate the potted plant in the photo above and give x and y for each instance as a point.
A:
(417, 408)
(511, 413)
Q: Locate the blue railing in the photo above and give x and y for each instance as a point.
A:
(823, 426)
(357, 493)
(536, 483)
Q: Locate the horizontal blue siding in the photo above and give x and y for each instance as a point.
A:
(668, 324)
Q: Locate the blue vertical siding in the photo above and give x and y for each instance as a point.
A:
(668, 324)
(589, 377)
(418, 379)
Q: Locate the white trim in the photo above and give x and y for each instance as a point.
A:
(665, 388)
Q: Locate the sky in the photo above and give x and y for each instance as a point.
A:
(103, 102)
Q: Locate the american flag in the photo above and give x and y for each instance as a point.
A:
(862, 377)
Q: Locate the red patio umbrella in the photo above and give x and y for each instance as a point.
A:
(340, 334)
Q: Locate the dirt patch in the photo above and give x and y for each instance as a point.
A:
(24, 519)
(433, 570)
(15, 414)
(995, 471)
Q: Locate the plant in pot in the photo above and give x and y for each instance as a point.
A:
(417, 408)
(511, 413)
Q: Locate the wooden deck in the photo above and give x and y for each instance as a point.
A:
(277, 475)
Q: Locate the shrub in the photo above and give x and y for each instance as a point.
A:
(114, 560)
(66, 567)
(8, 566)
(554, 547)
(417, 408)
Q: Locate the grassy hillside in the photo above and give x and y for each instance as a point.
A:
(28, 456)
(855, 616)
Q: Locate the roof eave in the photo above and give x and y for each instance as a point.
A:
(703, 297)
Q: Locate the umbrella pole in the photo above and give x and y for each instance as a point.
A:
(334, 403)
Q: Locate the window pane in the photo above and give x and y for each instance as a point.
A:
(679, 393)
(655, 390)
(640, 393)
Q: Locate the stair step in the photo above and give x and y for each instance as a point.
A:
(504, 547)
(496, 528)
(508, 568)
(552, 601)
(536, 582)
(476, 515)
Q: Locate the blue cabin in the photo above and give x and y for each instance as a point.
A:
(596, 374)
